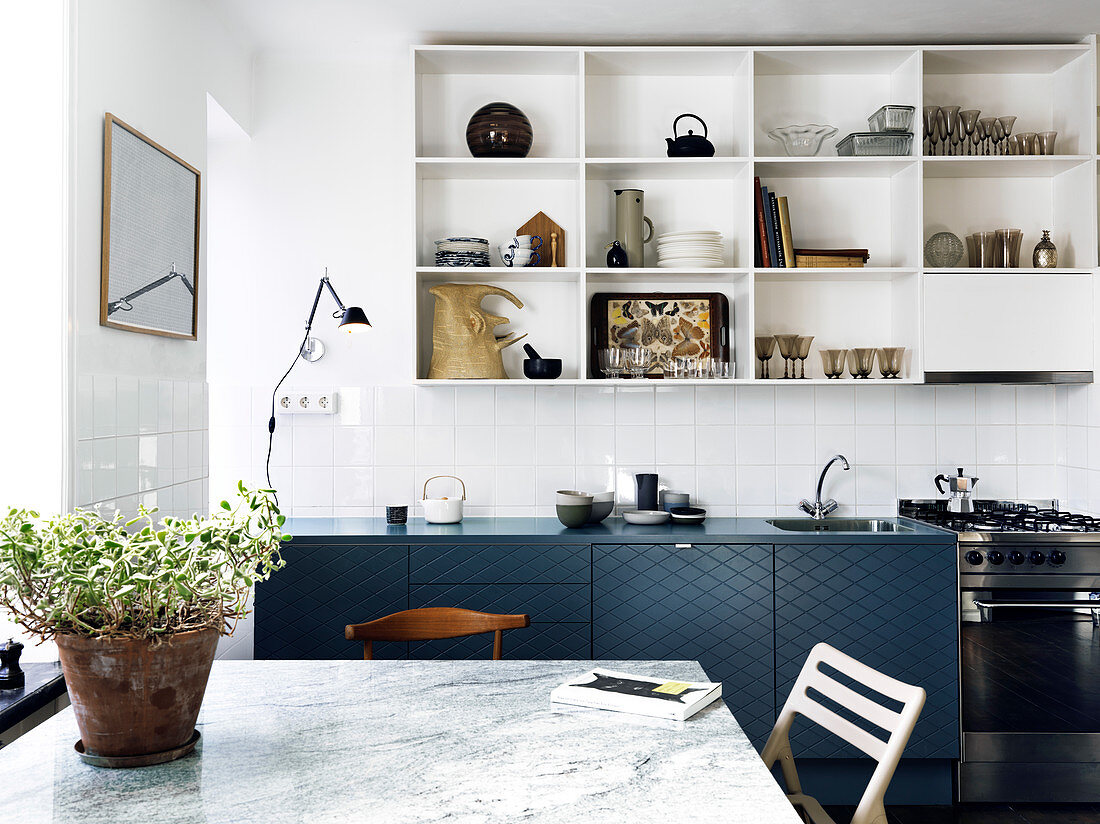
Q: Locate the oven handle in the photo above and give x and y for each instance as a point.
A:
(1092, 606)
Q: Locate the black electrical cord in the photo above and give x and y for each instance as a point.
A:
(271, 420)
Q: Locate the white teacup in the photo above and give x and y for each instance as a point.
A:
(532, 242)
(524, 257)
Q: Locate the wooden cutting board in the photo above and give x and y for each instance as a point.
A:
(543, 226)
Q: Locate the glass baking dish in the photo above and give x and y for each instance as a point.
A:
(892, 119)
(867, 144)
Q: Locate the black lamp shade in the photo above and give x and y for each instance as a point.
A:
(354, 320)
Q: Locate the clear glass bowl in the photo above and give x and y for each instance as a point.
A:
(802, 141)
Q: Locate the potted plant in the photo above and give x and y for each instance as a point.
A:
(136, 608)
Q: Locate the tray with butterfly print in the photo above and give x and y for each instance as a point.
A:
(672, 324)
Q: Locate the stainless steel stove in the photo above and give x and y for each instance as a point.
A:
(1029, 581)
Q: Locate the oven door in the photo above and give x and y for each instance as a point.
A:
(1030, 696)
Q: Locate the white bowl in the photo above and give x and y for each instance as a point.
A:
(645, 517)
(571, 497)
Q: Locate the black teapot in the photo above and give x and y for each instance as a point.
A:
(690, 144)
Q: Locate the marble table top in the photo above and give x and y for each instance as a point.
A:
(467, 742)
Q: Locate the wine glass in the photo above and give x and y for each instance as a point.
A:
(950, 124)
(639, 361)
(969, 120)
(1006, 126)
(803, 351)
(788, 347)
(765, 346)
(998, 136)
(931, 114)
(986, 124)
(612, 362)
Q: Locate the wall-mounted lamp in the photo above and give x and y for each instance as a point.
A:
(352, 320)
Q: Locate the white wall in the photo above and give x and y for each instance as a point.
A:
(140, 400)
(34, 43)
(325, 180)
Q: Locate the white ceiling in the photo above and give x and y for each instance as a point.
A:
(347, 26)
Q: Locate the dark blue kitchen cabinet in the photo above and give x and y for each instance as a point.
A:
(500, 563)
(301, 611)
(549, 582)
(894, 608)
(712, 603)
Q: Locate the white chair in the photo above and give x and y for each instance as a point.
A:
(897, 725)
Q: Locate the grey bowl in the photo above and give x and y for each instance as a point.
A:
(574, 516)
(600, 510)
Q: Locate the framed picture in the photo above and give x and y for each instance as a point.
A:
(671, 324)
(149, 266)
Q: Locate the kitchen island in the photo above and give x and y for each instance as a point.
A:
(746, 599)
(408, 742)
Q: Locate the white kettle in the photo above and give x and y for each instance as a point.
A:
(442, 510)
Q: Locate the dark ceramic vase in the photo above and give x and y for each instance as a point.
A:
(499, 130)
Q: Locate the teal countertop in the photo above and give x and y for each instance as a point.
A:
(613, 530)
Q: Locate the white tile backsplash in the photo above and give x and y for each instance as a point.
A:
(139, 440)
(736, 449)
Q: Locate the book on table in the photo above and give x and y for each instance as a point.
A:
(637, 694)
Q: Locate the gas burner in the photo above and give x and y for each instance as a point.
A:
(1000, 516)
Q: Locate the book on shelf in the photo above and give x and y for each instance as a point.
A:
(761, 226)
(769, 228)
(789, 256)
(780, 258)
(831, 258)
(637, 694)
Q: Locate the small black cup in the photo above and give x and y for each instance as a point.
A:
(397, 514)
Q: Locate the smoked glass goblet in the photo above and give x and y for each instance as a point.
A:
(765, 346)
(950, 125)
(931, 114)
(832, 362)
(861, 361)
(987, 125)
(802, 352)
(969, 120)
(788, 350)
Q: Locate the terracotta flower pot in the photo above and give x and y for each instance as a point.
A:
(132, 697)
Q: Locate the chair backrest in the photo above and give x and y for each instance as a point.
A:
(897, 725)
(432, 624)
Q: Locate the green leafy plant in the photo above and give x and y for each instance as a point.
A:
(79, 574)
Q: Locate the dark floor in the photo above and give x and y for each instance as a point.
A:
(983, 814)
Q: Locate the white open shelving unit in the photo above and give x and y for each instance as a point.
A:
(600, 116)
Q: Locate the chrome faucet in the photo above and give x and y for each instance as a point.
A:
(819, 509)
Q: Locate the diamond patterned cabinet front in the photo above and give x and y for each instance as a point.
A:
(538, 641)
(712, 603)
(301, 611)
(500, 564)
(893, 607)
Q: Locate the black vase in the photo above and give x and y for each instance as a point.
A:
(646, 484)
(616, 255)
(499, 130)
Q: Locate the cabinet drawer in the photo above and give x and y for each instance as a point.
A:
(301, 611)
(545, 603)
(500, 564)
(538, 641)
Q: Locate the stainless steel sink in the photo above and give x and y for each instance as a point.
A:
(838, 525)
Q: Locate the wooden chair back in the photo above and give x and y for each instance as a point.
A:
(897, 726)
(433, 624)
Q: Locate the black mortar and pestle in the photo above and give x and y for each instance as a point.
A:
(539, 368)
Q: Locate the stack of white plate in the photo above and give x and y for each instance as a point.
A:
(690, 250)
(462, 251)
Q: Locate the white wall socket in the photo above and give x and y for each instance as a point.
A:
(317, 402)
